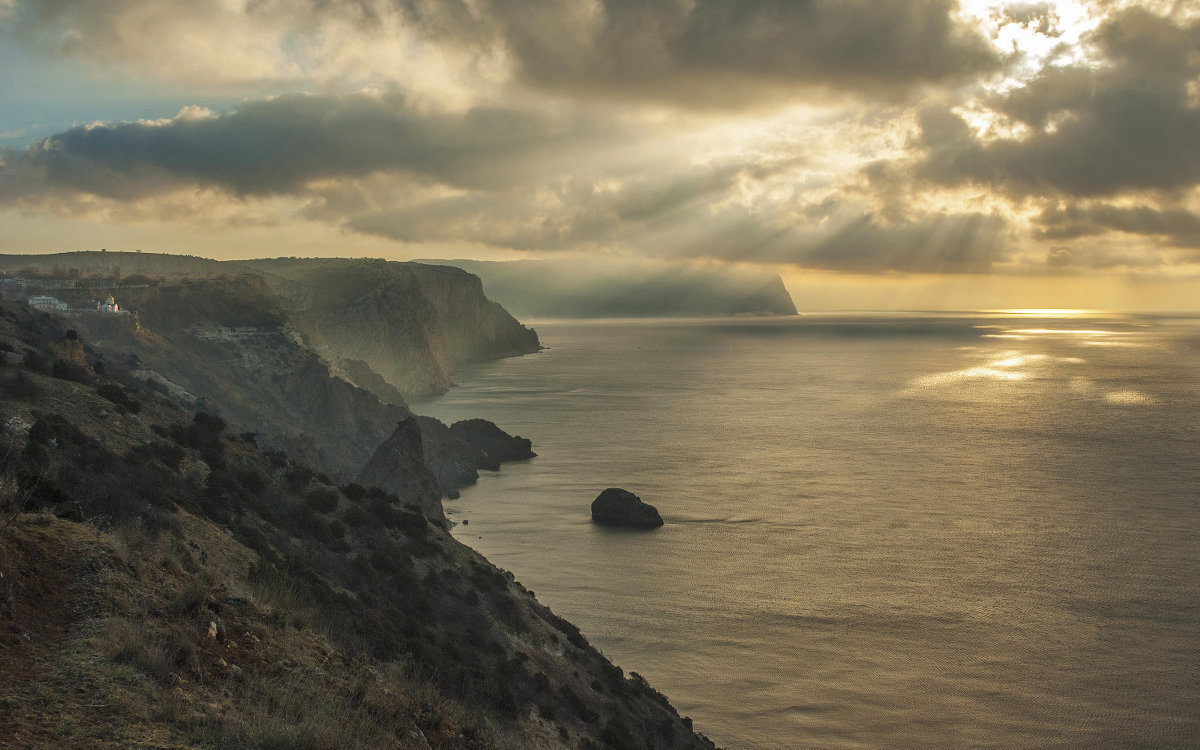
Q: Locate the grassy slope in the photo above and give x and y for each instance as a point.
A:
(166, 584)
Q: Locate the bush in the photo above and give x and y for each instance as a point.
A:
(117, 395)
(356, 516)
(35, 362)
(253, 480)
(322, 499)
(298, 478)
(21, 387)
(310, 522)
(67, 370)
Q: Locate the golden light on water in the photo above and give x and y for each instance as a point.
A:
(1049, 312)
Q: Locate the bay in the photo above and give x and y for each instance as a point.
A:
(972, 530)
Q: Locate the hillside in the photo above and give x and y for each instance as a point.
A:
(411, 324)
(169, 583)
(628, 288)
(392, 328)
(312, 355)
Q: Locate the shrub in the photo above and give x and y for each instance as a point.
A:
(310, 522)
(322, 499)
(253, 480)
(354, 492)
(298, 478)
(67, 370)
(117, 395)
(356, 516)
(35, 362)
(21, 387)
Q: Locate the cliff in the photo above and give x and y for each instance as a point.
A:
(225, 345)
(313, 355)
(411, 324)
(629, 288)
(392, 328)
(168, 583)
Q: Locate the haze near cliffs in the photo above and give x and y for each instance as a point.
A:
(317, 356)
(629, 288)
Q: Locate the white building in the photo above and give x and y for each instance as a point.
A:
(47, 303)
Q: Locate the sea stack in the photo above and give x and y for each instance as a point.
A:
(618, 507)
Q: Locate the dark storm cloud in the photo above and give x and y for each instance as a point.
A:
(278, 146)
(707, 52)
(713, 52)
(1129, 125)
(1175, 227)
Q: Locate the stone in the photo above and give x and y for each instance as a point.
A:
(618, 507)
(497, 444)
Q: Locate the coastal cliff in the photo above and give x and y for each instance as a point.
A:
(167, 580)
(392, 328)
(225, 345)
(628, 289)
(315, 356)
(411, 324)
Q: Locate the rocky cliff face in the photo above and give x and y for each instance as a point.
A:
(398, 466)
(629, 288)
(164, 578)
(410, 324)
(385, 326)
(225, 345)
(314, 355)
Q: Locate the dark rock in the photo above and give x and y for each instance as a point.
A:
(618, 507)
(398, 466)
(455, 454)
(495, 442)
(454, 462)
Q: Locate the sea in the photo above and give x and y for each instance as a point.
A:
(900, 530)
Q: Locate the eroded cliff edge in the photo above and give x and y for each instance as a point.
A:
(315, 356)
(168, 578)
(411, 324)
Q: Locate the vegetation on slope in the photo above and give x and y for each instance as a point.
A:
(166, 583)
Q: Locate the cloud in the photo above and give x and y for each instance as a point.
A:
(690, 52)
(282, 145)
(710, 52)
(1175, 227)
(1041, 18)
(1131, 124)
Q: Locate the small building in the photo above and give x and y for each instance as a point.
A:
(108, 306)
(47, 303)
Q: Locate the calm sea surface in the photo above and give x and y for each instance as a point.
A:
(900, 531)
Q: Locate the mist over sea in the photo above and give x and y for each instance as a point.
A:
(882, 531)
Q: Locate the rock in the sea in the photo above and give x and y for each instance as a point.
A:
(495, 442)
(618, 507)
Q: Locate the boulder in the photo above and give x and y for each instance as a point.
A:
(495, 442)
(618, 507)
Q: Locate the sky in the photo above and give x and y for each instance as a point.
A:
(923, 154)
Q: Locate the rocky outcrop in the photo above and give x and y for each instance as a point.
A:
(454, 462)
(398, 466)
(226, 344)
(618, 507)
(494, 442)
(629, 288)
(410, 324)
(456, 453)
(399, 634)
